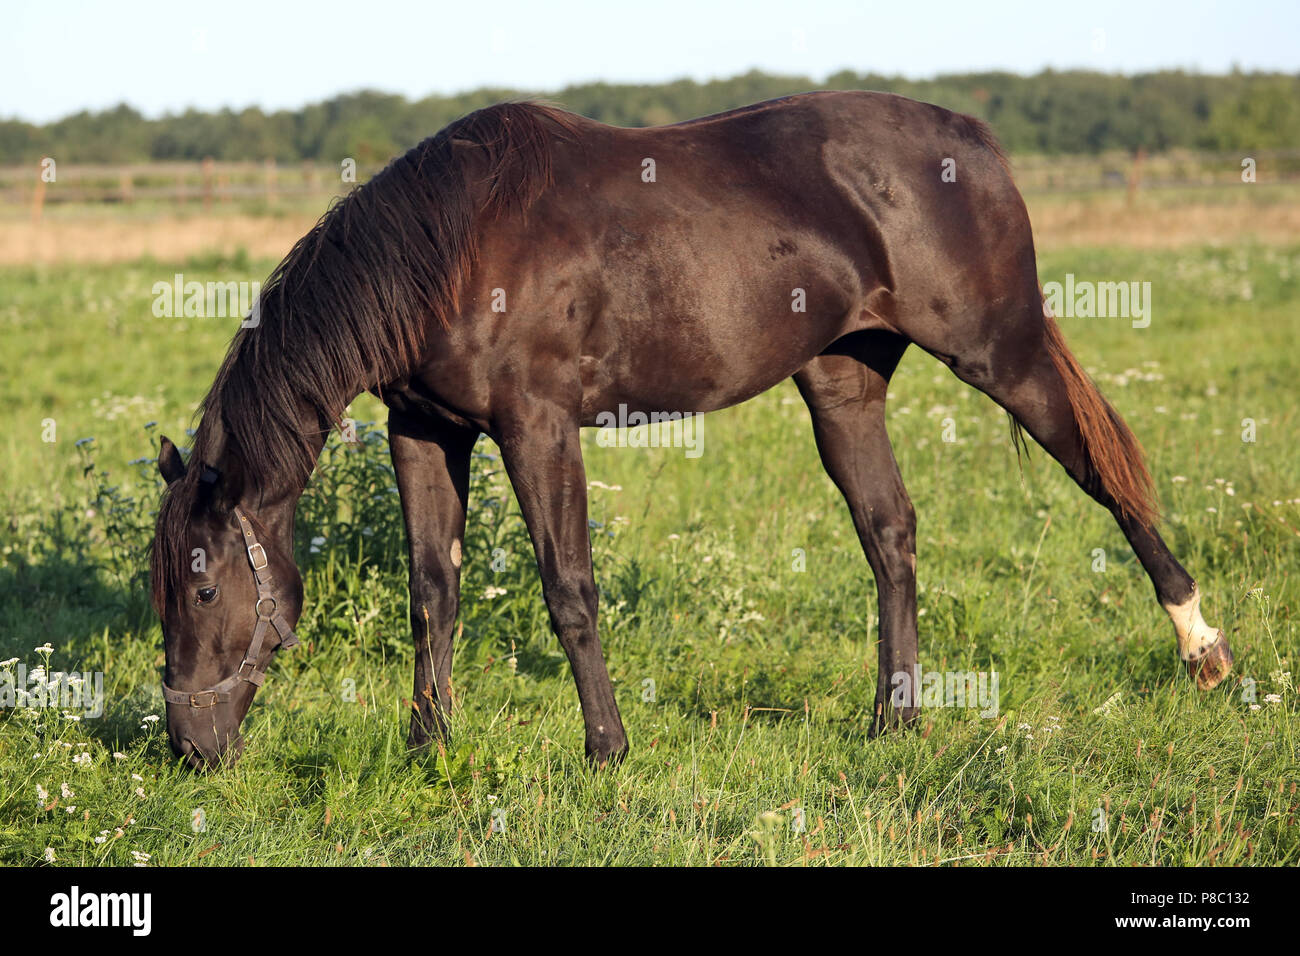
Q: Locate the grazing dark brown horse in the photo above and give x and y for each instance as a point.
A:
(525, 270)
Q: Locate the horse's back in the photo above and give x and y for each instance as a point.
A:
(694, 265)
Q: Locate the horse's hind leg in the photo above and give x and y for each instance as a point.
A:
(432, 464)
(1028, 370)
(845, 393)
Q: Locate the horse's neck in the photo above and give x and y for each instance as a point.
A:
(276, 500)
(278, 520)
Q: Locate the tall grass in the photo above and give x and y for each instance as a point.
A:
(745, 682)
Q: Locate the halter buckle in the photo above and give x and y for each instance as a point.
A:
(257, 556)
(211, 696)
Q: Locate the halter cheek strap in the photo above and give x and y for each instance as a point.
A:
(268, 613)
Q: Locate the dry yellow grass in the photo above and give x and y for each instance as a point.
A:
(166, 238)
(1162, 222)
(1109, 221)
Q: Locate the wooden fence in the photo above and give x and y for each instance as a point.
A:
(210, 184)
(207, 184)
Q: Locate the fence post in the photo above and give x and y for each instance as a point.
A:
(38, 197)
(207, 183)
(1135, 176)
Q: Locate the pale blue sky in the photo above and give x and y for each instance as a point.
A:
(65, 55)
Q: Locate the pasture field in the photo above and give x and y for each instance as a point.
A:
(96, 233)
(737, 614)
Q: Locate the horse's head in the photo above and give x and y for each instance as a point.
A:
(228, 593)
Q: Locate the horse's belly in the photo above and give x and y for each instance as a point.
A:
(698, 363)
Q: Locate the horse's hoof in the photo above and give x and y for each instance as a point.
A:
(1213, 665)
(895, 719)
(421, 741)
(606, 753)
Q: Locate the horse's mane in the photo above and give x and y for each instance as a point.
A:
(350, 306)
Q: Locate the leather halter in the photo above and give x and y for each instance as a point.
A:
(268, 613)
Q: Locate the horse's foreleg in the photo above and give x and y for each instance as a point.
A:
(432, 464)
(845, 394)
(543, 457)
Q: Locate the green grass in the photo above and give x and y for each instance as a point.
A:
(763, 676)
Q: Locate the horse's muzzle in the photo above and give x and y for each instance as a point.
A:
(208, 755)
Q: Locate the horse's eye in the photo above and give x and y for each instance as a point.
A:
(207, 595)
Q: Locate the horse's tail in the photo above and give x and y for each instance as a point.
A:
(1113, 451)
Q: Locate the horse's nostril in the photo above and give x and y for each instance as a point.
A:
(211, 757)
(198, 758)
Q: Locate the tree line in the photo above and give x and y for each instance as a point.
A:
(1048, 113)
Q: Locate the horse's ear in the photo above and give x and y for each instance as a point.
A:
(169, 461)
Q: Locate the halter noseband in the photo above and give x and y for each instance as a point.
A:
(268, 612)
